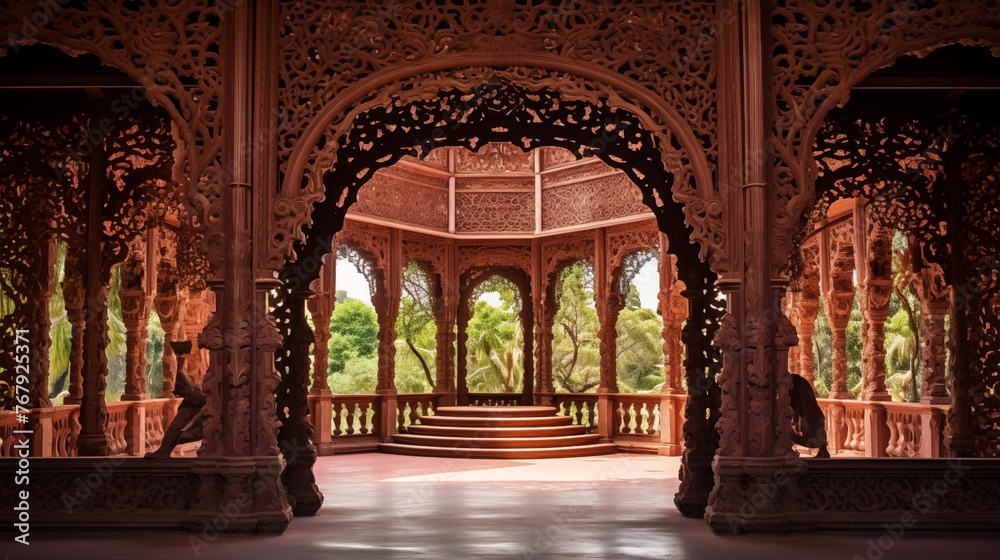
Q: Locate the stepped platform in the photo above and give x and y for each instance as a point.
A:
(497, 432)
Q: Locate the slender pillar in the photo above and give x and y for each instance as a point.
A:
(38, 311)
(462, 365)
(876, 289)
(135, 315)
(701, 411)
(296, 434)
(608, 303)
(445, 317)
(386, 302)
(839, 300)
(934, 307)
(168, 310)
(673, 309)
(527, 317)
(93, 439)
(74, 296)
(808, 309)
(196, 312)
(321, 308)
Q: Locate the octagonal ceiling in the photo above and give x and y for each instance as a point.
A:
(499, 191)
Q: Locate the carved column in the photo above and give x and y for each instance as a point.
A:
(321, 308)
(135, 314)
(386, 302)
(93, 439)
(196, 313)
(608, 304)
(673, 309)
(462, 364)
(876, 288)
(791, 309)
(527, 317)
(74, 296)
(445, 316)
(38, 331)
(296, 433)
(808, 309)
(839, 300)
(752, 462)
(240, 463)
(934, 307)
(542, 329)
(168, 309)
(701, 411)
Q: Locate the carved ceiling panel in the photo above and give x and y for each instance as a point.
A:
(400, 201)
(820, 51)
(595, 200)
(494, 211)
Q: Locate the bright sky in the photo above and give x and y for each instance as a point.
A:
(647, 281)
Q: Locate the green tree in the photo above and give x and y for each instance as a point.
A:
(576, 360)
(353, 348)
(416, 332)
(639, 350)
(496, 341)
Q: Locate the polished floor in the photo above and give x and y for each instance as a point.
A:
(385, 506)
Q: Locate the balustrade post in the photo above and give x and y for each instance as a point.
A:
(932, 423)
(40, 420)
(135, 429)
(876, 430)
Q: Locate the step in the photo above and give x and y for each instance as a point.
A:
(497, 443)
(495, 411)
(525, 453)
(539, 431)
(487, 422)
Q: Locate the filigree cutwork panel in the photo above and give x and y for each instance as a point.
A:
(624, 242)
(175, 59)
(427, 249)
(493, 256)
(596, 200)
(500, 110)
(500, 183)
(820, 51)
(326, 47)
(554, 157)
(386, 197)
(495, 157)
(495, 211)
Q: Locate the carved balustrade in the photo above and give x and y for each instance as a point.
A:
(410, 408)
(637, 416)
(885, 429)
(355, 416)
(134, 428)
(581, 407)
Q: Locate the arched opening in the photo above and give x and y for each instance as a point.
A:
(875, 297)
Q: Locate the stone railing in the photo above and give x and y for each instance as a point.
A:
(410, 408)
(134, 428)
(647, 422)
(885, 429)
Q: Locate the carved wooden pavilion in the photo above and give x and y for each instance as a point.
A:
(770, 149)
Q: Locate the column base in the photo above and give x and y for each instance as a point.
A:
(300, 484)
(238, 496)
(936, 399)
(697, 481)
(756, 495)
(139, 397)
